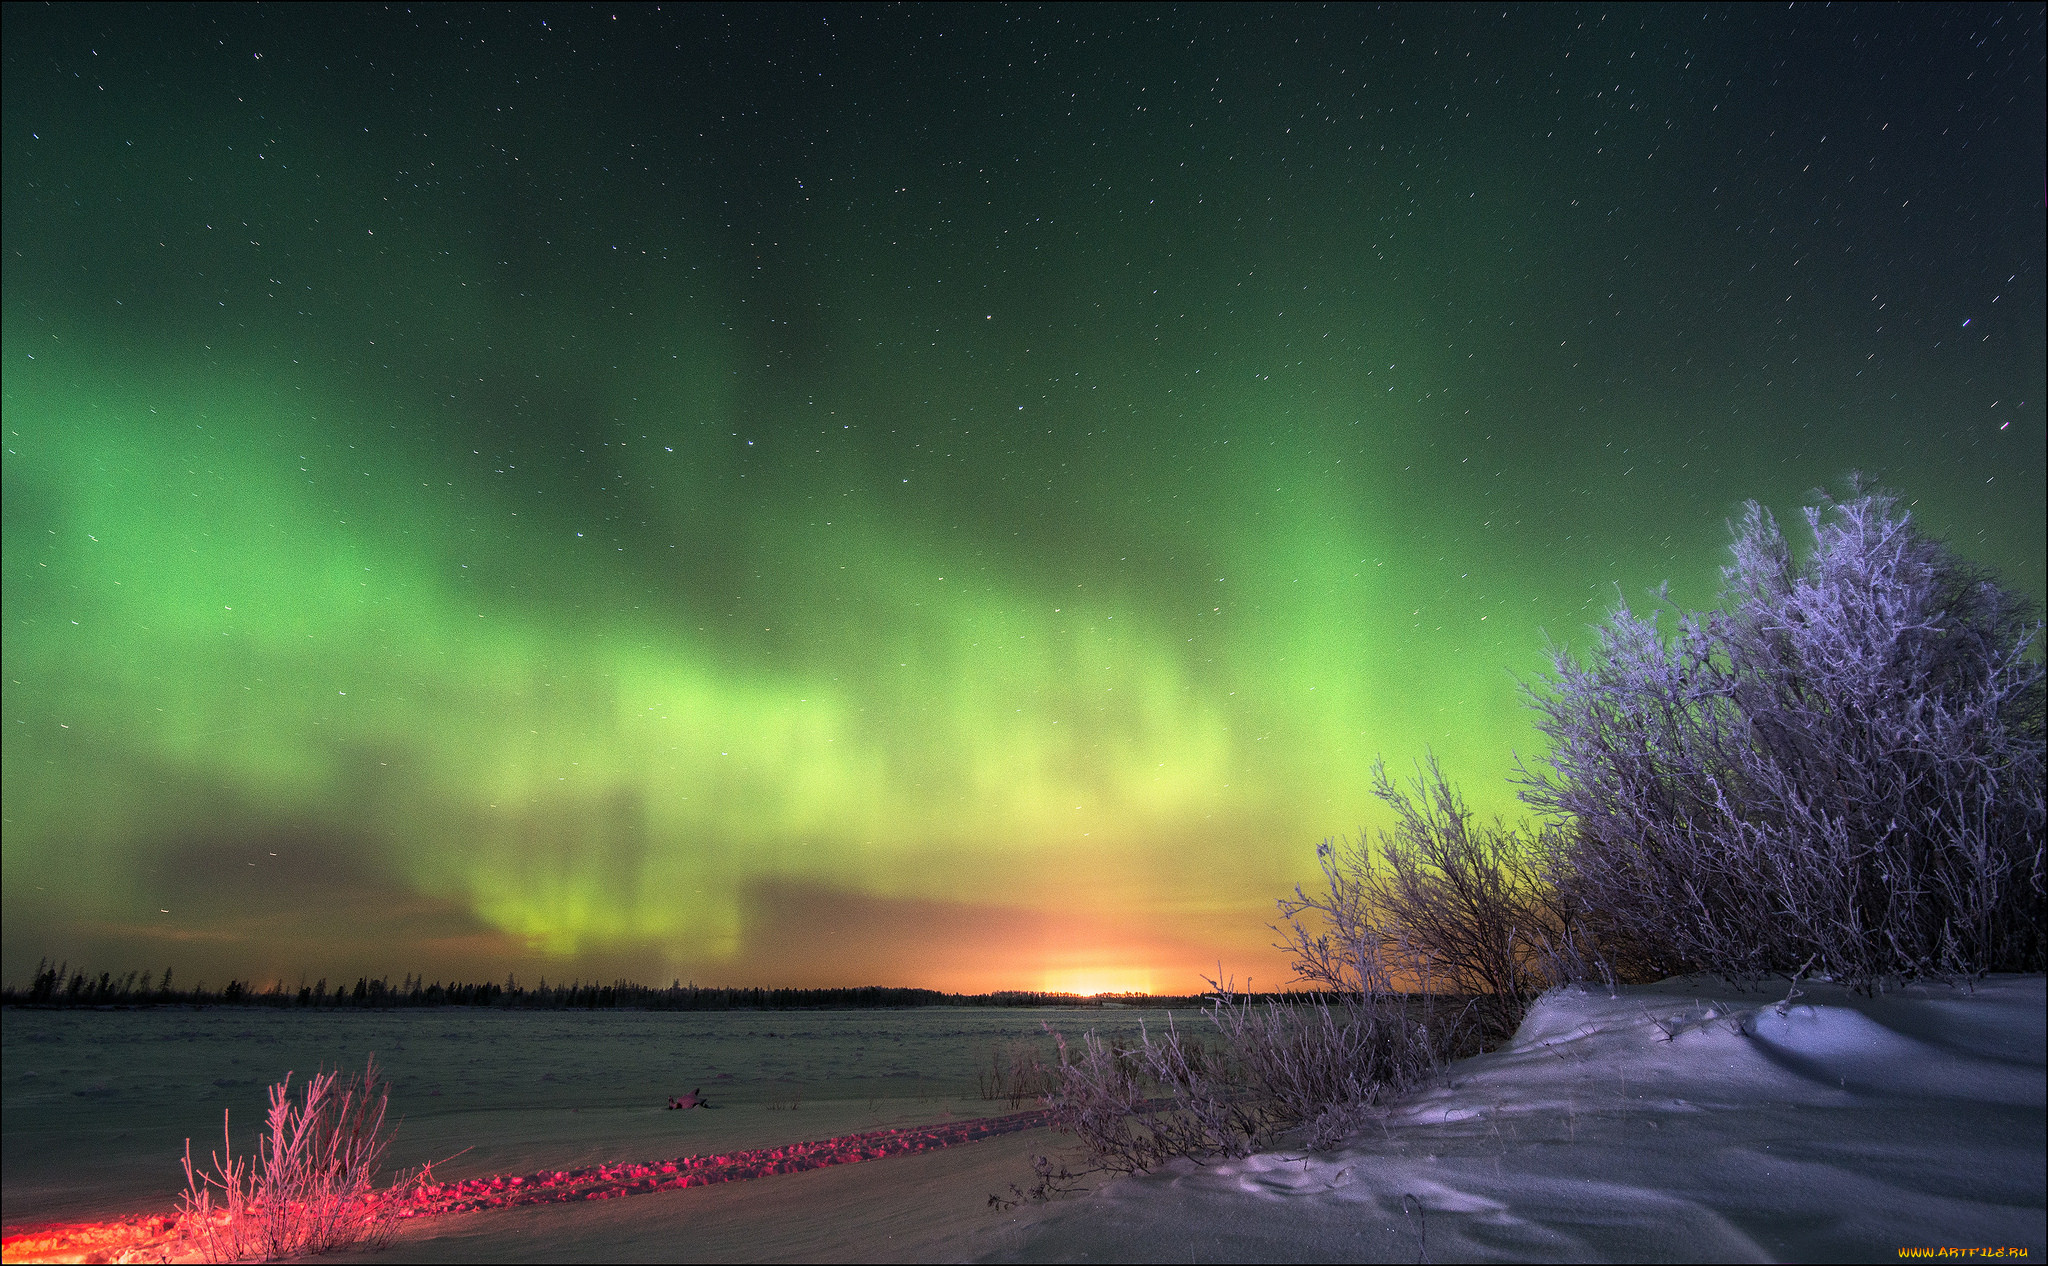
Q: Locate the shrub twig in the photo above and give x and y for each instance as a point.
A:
(311, 1186)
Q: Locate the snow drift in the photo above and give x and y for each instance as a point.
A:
(1677, 1122)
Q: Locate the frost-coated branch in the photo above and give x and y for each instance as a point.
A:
(1845, 761)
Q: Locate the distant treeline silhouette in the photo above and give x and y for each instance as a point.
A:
(56, 985)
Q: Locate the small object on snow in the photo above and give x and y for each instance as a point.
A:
(695, 1099)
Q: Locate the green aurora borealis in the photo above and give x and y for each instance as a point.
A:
(952, 497)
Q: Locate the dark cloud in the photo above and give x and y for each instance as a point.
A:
(279, 901)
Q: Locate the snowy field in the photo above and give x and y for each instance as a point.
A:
(1679, 1122)
(98, 1104)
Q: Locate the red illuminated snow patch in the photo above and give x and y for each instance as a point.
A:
(603, 1182)
(148, 1237)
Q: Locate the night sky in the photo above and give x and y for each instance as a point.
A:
(947, 497)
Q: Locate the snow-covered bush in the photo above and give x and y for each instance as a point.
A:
(1448, 905)
(312, 1186)
(1840, 770)
(1252, 1072)
(1420, 952)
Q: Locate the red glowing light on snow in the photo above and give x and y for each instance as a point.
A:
(155, 1235)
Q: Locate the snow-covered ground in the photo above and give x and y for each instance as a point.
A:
(98, 1104)
(1680, 1121)
(1671, 1122)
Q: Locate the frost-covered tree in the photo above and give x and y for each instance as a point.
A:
(1840, 769)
